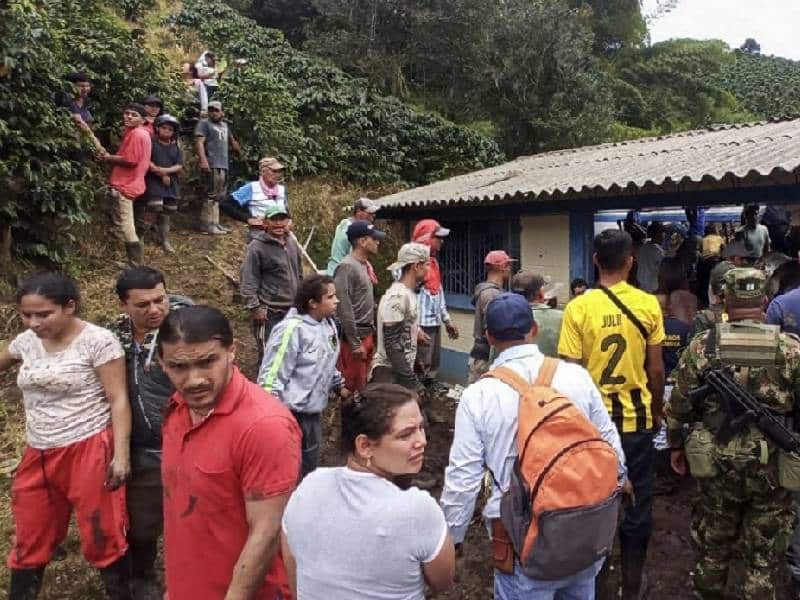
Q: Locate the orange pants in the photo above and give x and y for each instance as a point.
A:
(354, 369)
(49, 485)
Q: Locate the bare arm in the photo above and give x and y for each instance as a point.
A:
(116, 159)
(290, 564)
(441, 571)
(200, 146)
(654, 367)
(235, 144)
(112, 376)
(263, 542)
(6, 360)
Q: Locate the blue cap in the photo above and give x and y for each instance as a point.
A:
(358, 229)
(509, 317)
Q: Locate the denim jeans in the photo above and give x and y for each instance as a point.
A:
(518, 586)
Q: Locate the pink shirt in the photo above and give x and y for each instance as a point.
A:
(135, 147)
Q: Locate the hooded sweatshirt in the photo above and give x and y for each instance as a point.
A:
(271, 272)
(299, 365)
(485, 292)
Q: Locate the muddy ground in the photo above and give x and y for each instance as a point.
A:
(670, 559)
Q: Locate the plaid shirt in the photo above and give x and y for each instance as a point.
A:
(432, 309)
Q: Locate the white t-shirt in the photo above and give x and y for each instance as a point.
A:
(355, 535)
(64, 399)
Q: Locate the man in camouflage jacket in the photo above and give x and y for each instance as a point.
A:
(742, 510)
(145, 304)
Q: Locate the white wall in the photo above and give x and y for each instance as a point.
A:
(544, 243)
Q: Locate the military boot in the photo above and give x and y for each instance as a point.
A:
(116, 578)
(163, 233)
(25, 583)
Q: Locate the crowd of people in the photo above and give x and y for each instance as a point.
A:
(146, 428)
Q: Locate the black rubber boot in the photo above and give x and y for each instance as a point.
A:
(604, 588)
(25, 583)
(117, 579)
(144, 582)
(135, 253)
(634, 581)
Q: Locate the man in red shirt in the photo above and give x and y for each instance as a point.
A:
(126, 183)
(231, 458)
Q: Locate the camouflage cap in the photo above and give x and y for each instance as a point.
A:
(745, 284)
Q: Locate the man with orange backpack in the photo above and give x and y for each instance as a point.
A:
(552, 512)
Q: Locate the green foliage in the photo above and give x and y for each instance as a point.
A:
(48, 188)
(672, 86)
(323, 119)
(133, 9)
(616, 23)
(766, 86)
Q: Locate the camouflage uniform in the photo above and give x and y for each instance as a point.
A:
(741, 511)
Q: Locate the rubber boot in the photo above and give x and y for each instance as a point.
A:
(116, 578)
(163, 233)
(219, 225)
(135, 253)
(25, 583)
(634, 581)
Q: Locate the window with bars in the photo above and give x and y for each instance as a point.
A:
(461, 258)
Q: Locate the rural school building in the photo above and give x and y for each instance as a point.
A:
(545, 209)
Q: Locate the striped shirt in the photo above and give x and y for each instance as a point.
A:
(432, 309)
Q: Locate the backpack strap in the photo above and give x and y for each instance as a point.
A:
(628, 312)
(511, 378)
(546, 372)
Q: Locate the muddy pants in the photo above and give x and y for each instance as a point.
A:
(122, 209)
(216, 190)
(147, 520)
(355, 369)
(49, 485)
(428, 357)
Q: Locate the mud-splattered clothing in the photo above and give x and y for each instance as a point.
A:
(247, 448)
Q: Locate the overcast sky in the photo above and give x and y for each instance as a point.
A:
(773, 23)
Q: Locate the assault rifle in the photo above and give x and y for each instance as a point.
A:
(742, 409)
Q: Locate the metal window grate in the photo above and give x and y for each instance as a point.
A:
(462, 255)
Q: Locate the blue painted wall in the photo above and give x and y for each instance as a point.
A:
(581, 232)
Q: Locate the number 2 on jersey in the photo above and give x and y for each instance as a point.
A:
(619, 345)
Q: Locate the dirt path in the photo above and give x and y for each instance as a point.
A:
(670, 559)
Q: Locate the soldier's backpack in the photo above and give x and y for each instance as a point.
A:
(560, 510)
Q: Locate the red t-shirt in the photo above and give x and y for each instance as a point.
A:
(247, 447)
(135, 147)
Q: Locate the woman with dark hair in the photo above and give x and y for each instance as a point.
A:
(375, 540)
(78, 425)
(299, 365)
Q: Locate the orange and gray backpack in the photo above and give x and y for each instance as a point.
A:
(560, 510)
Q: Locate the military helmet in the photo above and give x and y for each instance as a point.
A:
(746, 284)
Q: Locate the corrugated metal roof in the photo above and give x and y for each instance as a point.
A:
(715, 158)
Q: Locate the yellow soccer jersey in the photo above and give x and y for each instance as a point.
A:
(611, 347)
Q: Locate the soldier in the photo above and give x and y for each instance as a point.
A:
(742, 509)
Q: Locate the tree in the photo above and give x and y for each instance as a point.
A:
(751, 46)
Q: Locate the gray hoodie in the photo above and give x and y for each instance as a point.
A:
(485, 292)
(299, 364)
(271, 272)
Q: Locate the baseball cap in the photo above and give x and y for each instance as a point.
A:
(358, 229)
(745, 284)
(509, 317)
(215, 104)
(527, 283)
(152, 99)
(366, 205)
(409, 254)
(498, 258)
(271, 163)
(274, 211)
(441, 231)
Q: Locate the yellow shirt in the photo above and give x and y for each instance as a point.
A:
(712, 245)
(599, 335)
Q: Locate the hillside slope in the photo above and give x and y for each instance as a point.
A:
(767, 86)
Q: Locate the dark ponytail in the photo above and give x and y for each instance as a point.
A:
(371, 411)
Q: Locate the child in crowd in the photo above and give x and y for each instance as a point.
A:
(163, 189)
(299, 365)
